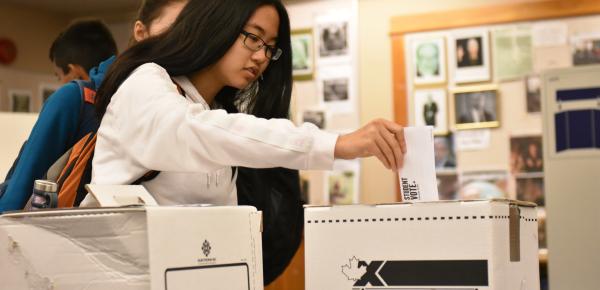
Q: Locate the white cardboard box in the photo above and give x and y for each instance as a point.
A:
(166, 248)
(464, 245)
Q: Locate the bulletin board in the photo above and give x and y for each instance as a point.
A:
(453, 70)
(511, 120)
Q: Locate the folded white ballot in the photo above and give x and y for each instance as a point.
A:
(417, 177)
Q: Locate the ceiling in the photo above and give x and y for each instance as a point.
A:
(78, 7)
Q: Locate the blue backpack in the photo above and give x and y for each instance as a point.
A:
(88, 123)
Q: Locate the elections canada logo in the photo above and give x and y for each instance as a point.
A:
(352, 270)
(362, 273)
(419, 274)
(206, 248)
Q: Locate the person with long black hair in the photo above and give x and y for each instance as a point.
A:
(171, 104)
(224, 55)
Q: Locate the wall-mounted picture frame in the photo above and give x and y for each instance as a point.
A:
(429, 61)
(20, 101)
(335, 34)
(513, 52)
(333, 39)
(336, 89)
(45, 90)
(526, 154)
(486, 184)
(303, 58)
(317, 117)
(533, 92)
(342, 183)
(475, 107)
(469, 56)
(431, 109)
(444, 152)
(586, 49)
(531, 189)
(448, 185)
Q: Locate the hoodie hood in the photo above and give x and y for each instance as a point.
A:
(97, 73)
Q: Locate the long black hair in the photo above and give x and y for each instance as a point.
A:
(199, 37)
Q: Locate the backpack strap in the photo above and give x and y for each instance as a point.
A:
(146, 177)
(87, 121)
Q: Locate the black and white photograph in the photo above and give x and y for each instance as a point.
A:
(431, 109)
(333, 39)
(429, 57)
(445, 155)
(469, 56)
(20, 101)
(476, 108)
(316, 117)
(533, 92)
(335, 89)
(586, 49)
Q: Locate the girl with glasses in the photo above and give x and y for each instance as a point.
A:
(172, 103)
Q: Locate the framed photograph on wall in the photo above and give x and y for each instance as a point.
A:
(20, 101)
(486, 184)
(45, 90)
(430, 107)
(303, 60)
(586, 49)
(448, 185)
(533, 91)
(513, 52)
(445, 155)
(342, 183)
(531, 189)
(429, 61)
(317, 117)
(335, 86)
(475, 107)
(333, 39)
(526, 154)
(469, 56)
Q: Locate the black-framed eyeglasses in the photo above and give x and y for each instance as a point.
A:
(255, 43)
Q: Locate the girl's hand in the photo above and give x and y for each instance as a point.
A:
(380, 138)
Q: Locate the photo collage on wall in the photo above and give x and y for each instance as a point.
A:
(323, 58)
(454, 80)
(24, 100)
(456, 83)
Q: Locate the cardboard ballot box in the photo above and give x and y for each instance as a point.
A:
(463, 245)
(167, 248)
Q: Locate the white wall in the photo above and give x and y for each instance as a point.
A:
(33, 32)
(14, 129)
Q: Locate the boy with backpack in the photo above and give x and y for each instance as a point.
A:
(68, 114)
